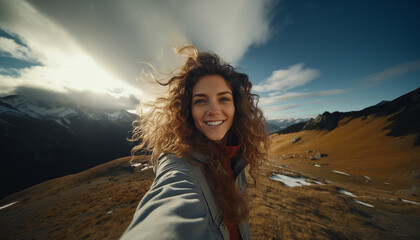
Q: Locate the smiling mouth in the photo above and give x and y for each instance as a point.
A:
(213, 123)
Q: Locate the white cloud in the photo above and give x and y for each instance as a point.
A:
(391, 73)
(99, 45)
(281, 107)
(298, 95)
(283, 80)
(9, 48)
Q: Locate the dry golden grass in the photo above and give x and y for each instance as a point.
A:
(322, 212)
(95, 204)
(99, 203)
(359, 147)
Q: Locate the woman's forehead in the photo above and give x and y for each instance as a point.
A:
(211, 84)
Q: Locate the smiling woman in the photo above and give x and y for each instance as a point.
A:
(212, 107)
(202, 135)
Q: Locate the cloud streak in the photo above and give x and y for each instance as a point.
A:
(298, 95)
(281, 107)
(283, 80)
(391, 73)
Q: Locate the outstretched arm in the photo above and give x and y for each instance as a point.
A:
(174, 207)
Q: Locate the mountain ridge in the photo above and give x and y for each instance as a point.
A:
(403, 117)
(43, 140)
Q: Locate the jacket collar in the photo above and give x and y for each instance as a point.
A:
(238, 166)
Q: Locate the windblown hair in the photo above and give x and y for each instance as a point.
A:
(168, 126)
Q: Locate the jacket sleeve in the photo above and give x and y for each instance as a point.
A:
(174, 207)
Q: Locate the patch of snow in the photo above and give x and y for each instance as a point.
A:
(368, 178)
(386, 183)
(8, 205)
(145, 168)
(133, 111)
(408, 201)
(94, 116)
(293, 182)
(109, 212)
(60, 121)
(363, 203)
(342, 191)
(7, 123)
(342, 173)
(136, 164)
(114, 115)
(287, 172)
(317, 165)
(59, 112)
(64, 112)
(67, 121)
(30, 113)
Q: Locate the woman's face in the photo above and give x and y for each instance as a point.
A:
(212, 107)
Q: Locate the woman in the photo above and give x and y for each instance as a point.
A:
(202, 135)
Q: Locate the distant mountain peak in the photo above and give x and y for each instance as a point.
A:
(403, 112)
(43, 140)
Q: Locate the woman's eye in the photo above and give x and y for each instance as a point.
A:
(199, 101)
(224, 99)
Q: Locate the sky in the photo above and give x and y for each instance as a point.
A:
(303, 57)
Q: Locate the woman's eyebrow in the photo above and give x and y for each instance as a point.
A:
(199, 95)
(204, 95)
(226, 92)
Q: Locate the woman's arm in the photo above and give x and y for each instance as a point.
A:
(174, 207)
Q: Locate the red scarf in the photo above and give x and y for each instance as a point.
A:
(230, 152)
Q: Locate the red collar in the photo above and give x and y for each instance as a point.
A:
(230, 151)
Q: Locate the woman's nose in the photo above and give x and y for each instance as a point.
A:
(214, 109)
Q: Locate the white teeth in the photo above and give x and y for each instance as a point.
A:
(215, 123)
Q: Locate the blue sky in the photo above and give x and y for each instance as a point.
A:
(348, 42)
(303, 57)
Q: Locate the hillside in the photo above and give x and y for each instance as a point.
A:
(359, 146)
(95, 204)
(402, 117)
(359, 179)
(99, 204)
(43, 140)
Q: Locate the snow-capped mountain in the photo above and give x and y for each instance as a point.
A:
(19, 105)
(41, 140)
(274, 125)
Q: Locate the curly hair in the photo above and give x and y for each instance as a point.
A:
(168, 127)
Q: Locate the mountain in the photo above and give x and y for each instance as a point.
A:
(285, 122)
(403, 117)
(274, 125)
(271, 128)
(351, 182)
(43, 140)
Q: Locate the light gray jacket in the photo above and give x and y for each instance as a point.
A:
(180, 203)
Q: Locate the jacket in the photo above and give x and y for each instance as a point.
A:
(180, 203)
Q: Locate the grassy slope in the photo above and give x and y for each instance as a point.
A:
(359, 147)
(77, 206)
